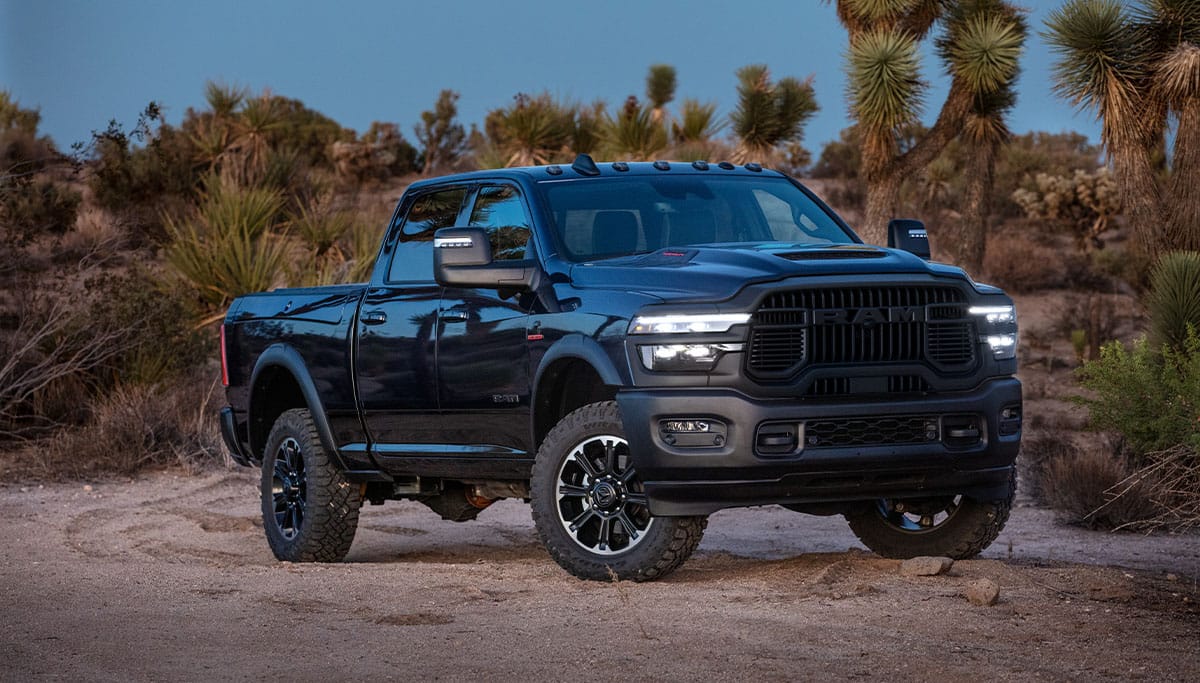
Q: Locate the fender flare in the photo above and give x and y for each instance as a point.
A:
(582, 348)
(285, 357)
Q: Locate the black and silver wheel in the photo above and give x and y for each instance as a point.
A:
(591, 510)
(958, 527)
(310, 510)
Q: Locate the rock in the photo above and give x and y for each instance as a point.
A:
(925, 566)
(983, 592)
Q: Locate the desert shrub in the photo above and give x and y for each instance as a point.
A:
(32, 207)
(1174, 299)
(320, 229)
(1151, 397)
(1082, 204)
(1018, 263)
(226, 248)
(1092, 486)
(49, 362)
(160, 321)
(137, 426)
(1089, 320)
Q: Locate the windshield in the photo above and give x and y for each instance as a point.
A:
(607, 217)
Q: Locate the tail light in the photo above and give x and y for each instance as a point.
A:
(224, 360)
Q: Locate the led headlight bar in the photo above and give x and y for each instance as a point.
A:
(683, 324)
(994, 314)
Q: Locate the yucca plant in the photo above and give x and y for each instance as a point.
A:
(660, 89)
(697, 123)
(769, 114)
(226, 248)
(223, 99)
(589, 128)
(1137, 66)
(633, 133)
(361, 245)
(1174, 299)
(532, 131)
(980, 48)
(320, 229)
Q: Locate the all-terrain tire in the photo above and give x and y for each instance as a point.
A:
(964, 534)
(310, 510)
(659, 549)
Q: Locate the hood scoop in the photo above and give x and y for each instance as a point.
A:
(835, 253)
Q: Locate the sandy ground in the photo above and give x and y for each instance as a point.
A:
(169, 578)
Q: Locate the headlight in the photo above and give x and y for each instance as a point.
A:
(1004, 346)
(680, 324)
(995, 314)
(683, 357)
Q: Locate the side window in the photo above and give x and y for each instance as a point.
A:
(499, 209)
(413, 259)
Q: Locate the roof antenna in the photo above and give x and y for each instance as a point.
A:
(583, 165)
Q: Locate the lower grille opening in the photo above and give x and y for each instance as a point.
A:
(871, 431)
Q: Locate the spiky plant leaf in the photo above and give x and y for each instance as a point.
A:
(224, 99)
(885, 88)
(660, 85)
(533, 129)
(880, 10)
(1174, 299)
(1100, 62)
(754, 118)
(697, 122)
(986, 53)
(633, 133)
(1177, 75)
(795, 104)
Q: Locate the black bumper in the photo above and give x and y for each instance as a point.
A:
(736, 472)
(229, 436)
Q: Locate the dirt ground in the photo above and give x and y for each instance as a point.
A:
(169, 578)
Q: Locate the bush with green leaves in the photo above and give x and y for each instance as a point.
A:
(1149, 395)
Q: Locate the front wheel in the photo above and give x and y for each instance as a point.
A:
(310, 510)
(957, 527)
(590, 508)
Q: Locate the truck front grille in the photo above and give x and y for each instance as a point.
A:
(871, 431)
(861, 325)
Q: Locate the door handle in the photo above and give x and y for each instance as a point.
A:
(455, 315)
(374, 318)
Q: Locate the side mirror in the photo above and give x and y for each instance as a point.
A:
(909, 235)
(462, 257)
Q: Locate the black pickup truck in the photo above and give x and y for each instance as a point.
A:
(630, 347)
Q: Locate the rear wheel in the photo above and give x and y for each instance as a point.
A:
(952, 526)
(590, 508)
(310, 510)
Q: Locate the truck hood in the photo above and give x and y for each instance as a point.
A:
(719, 272)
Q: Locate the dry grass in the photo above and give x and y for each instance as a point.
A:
(132, 428)
(1093, 486)
(1173, 479)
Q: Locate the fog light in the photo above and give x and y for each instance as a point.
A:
(692, 432)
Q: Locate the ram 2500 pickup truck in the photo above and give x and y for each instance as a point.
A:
(630, 347)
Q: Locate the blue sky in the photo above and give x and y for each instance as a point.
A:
(83, 63)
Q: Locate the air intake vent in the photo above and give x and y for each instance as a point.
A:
(831, 254)
(871, 431)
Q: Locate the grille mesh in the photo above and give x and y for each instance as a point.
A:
(871, 431)
(783, 336)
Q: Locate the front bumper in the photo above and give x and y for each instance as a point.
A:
(736, 472)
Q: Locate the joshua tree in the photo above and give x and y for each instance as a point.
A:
(769, 114)
(981, 50)
(442, 139)
(660, 88)
(1138, 68)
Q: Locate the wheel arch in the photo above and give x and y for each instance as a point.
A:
(281, 381)
(574, 372)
